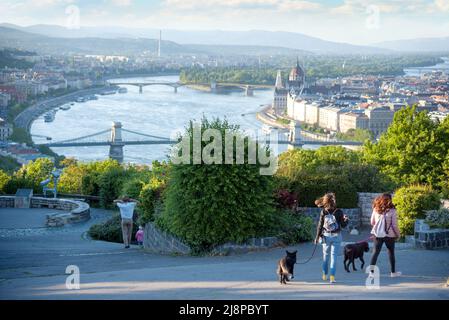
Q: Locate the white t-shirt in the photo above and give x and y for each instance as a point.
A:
(126, 209)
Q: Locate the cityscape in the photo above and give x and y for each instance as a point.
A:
(99, 102)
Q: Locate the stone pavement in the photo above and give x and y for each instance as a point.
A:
(32, 266)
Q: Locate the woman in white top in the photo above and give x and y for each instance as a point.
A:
(385, 229)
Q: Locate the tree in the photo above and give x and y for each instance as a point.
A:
(209, 204)
(4, 179)
(36, 171)
(412, 150)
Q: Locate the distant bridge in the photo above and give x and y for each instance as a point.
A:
(214, 86)
(114, 139)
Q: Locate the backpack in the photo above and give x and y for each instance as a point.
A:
(330, 223)
(380, 228)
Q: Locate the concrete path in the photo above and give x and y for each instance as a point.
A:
(32, 266)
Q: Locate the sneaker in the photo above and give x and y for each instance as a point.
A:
(396, 274)
(332, 279)
(126, 247)
(324, 276)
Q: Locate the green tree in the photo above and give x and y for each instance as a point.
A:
(412, 150)
(209, 204)
(4, 179)
(36, 171)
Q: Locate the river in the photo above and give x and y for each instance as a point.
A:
(157, 111)
(417, 71)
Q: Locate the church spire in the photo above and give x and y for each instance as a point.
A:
(279, 84)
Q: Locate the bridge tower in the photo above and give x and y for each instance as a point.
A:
(249, 92)
(213, 86)
(294, 136)
(140, 88)
(176, 89)
(116, 145)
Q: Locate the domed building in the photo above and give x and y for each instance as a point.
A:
(292, 89)
(296, 80)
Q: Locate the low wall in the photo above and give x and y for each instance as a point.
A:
(7, 201)
(74, 211)
(365, 203)
(427, 238)
(158, 241)
(354, 215)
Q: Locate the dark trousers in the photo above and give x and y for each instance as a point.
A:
(389, 242)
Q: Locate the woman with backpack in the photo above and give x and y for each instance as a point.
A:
(385, 230)
(331, 221)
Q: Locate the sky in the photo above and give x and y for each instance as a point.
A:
(351, 21)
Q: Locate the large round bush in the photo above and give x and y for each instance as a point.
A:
(411, 203)
(209, 204)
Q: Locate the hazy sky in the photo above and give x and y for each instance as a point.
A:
(354, 21)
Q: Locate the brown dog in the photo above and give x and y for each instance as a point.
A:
(353, 251)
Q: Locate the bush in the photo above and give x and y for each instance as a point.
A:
(312, 173)
(110, 230)
(411, 203)
(438, 218)
(15, 183)
(111, 183)
(4, 180)
(147, 198)
(210, 204)
(294, 228)
(132, 188)
(312, 186)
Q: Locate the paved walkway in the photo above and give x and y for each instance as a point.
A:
(32, 266)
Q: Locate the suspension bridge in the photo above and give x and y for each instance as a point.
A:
(115, 139)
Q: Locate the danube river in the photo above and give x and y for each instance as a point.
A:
(157, 111)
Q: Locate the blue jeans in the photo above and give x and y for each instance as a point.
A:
(331, 248)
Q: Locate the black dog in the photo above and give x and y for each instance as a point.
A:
(285, 267)
(354, 251)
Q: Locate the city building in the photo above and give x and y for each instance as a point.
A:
(353, 120)
(379, 119)
(329, 118)
(5, 130)
(296, 80)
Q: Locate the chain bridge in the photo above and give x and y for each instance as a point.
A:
(114, 138)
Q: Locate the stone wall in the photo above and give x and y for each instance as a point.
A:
(7, 201)
(426, 238)
(74, 211)
(158, 241)
(253, 244)
(365, 203)
(354, 215)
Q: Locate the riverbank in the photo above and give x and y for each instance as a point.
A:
(26, 117)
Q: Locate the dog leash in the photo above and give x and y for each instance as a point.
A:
(365, 240)
(316, 245)
(313, 253)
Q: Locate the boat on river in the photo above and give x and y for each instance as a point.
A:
(49, 116)
(122, 90)
(65, 107)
